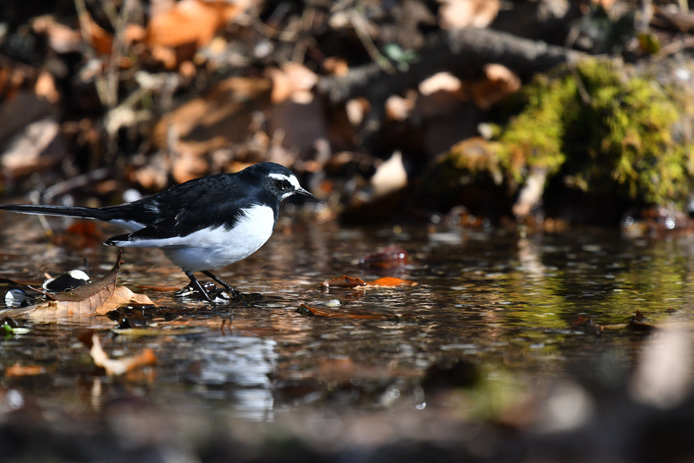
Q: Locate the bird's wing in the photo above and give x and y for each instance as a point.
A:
(193, 197)
(180, 216)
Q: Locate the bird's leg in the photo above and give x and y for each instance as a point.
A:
(199, 287)
(234, 292)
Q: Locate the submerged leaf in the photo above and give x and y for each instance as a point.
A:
(119, 366)
(311, 311)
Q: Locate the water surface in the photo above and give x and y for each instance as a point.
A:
(504, 304)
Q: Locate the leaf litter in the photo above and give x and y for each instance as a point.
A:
(96, 298)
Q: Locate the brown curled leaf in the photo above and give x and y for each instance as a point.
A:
(345, 281)
(96, 298)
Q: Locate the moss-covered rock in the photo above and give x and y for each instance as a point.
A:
(599, 127)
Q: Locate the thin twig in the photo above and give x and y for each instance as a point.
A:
(360, 28)
(675, 47)
(267, 31)
(300, 48)
(99, 81)
(583, 93)
(75, 182)
(571, 64)
(116, 52)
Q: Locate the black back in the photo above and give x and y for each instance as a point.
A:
(216, 200)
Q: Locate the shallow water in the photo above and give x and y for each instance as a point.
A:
(504, 303)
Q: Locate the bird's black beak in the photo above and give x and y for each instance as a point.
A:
(303, 192)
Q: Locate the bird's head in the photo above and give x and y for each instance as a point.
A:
(280, 181)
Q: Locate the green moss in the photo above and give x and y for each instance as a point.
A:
(534, 138)
(617, 138)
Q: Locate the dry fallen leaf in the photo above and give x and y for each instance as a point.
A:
(458, 14)
(398, 108)
(96, 298)
(61, 38)
(123, 296)
(292, 81)
(298, 118)
(196, 128)
(390, 176)
(45, 87)
(187, 26)
(119, 366)
(36, 147)
(499, 82)
(440, 82)
(335, 66)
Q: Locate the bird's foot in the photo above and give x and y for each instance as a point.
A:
(209, 292)
(233, 293)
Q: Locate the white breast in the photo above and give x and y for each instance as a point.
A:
(212, 248)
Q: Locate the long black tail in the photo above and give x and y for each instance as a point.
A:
(65, 211)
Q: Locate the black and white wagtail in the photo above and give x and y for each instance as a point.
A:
(202, 224)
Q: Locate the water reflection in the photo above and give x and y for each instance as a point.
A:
(246, 364)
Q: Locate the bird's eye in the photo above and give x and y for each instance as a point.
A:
(285, 185)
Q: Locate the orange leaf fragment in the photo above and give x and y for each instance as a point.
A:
(24, 370)
(344, 281)
(391, 281)
(100, 39)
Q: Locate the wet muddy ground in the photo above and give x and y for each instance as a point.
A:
(505, 348)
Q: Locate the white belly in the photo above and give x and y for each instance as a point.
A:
(216, 247)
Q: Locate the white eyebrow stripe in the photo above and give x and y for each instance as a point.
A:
(293, 180)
